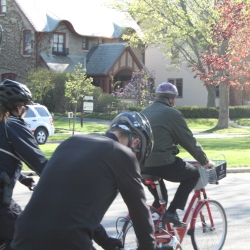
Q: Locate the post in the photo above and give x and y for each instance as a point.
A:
(70, 116)
(82, 113)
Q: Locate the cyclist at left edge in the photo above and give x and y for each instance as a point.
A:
(17, 145)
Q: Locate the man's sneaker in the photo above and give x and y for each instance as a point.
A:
(173, 218)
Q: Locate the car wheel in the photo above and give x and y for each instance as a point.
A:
(41, 135)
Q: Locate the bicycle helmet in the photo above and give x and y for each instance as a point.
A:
(167, 90)
(11, 91)
(136, 124)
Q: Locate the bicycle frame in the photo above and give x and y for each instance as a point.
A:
(165, 236)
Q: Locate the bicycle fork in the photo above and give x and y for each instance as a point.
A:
(204, 225)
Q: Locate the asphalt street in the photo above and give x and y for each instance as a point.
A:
(232, 192)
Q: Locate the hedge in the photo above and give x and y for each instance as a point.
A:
(207, 112)
(198, 112)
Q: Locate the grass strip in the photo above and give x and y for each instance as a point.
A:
(235, 150)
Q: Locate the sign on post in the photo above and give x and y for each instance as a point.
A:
(88, 104)
(70, 114)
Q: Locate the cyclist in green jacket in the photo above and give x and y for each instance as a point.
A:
(170, 129)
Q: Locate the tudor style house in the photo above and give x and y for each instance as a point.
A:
(39, 34)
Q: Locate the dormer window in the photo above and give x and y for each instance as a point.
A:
(26, 42)
(84, 43)
(59, 43)
(2, 6)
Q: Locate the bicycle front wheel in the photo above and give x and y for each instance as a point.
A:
(129, 237)
(206, 236)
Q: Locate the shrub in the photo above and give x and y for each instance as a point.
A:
(104, 102)
(198, 112)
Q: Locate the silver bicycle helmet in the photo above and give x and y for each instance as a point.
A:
(12, 91)
(136, 124)
(166, 90)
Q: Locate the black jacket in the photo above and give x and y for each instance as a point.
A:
(20, 143)
(75, 190)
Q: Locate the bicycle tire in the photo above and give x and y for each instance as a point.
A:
(204, 237)
(129, 239)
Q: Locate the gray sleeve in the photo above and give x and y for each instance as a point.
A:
(185, 138)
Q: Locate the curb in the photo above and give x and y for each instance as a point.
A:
(229, 171)
(239, 170)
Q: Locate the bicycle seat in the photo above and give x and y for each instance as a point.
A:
(150, 177)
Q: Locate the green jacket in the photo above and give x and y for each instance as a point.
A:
(169, 129)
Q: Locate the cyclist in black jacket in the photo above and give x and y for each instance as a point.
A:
(80, 182)
(17, 145)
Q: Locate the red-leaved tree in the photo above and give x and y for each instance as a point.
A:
(227, 61)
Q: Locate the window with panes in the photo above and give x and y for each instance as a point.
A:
(9, 76)
(26, 42)
(59, 42)
(178, 82)
(2, 6)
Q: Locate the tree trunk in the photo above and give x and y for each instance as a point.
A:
(73, 131)
(211, 96)
(223, 121)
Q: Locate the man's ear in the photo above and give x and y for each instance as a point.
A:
(171, 102)
(135, 142)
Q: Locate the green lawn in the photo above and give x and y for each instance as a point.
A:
(64, 128)
(236, 150)
(65, 124)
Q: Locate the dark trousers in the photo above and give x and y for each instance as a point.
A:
(179, 171)
(8, 216)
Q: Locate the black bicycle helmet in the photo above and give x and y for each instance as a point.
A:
(136, 123)
(11, 91)
(166, 90)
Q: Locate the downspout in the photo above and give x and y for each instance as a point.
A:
(38, 39)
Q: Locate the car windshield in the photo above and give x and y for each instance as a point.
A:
(42, 112)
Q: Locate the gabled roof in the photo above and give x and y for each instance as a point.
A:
(88, 17)
(98, 61)
(101, 58)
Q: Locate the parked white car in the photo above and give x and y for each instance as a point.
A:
(40, 122)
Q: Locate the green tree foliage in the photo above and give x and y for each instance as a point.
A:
(56, 100)
(77, 86)
(177, 27)
(39, 82)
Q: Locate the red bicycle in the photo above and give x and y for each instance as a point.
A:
(206, 219)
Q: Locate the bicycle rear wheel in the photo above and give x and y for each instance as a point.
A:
(206, 237)
(129, 237)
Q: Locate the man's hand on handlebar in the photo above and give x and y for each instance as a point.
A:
(28, 182)
(112, 244)
(209, 165)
